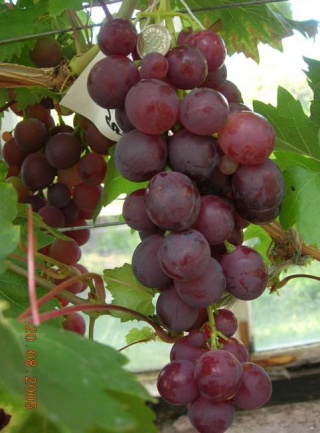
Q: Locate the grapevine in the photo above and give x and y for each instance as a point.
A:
(198, 167)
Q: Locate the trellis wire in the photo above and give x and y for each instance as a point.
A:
(205, 9)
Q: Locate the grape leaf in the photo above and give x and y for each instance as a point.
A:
(294, 130)
(313, 72)
(57, 7)
(74, 372)
(127, 292)
(257, 238)
(3, 171)
(135, 335)
(315, 106)
(9, 233)
(300, 205)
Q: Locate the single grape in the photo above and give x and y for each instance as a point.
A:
(36, 202)
(173, 313)
(247, 138)
(204, 290)
(182, 349)
(61, 128)
(216, 79)
(188, 67)
(246, 273)
(46, 53)
(92, 168)
(172, 201)
(152, 106)
(184, 255)
(122, 120)
(70, 212)
(38, 111)
(80, 236)
(75, 287)
(67, 252)
(52, 216)
(87, 197)
(138, 156)
(117, 36)
(69, 176)
(110, 80)
(176, 383)
(197, 338)
(231, 91)
(211, 416)
(36, 172)
(236, 347)
(191, 154)
(12, 154)
(59, 194)
(63, 150)
(226, 322)
(74, 322)
(134, 212)
(255, 387)
(98, 142)
(204, 111)
(211, 45)
(215, 219)
(154, 65)
(218, 374)
(145, 265)
(30, 135)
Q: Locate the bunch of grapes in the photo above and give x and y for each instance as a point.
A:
(205, 156)
(58, 170)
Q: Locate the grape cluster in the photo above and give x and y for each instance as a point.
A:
(205, 156)
(58, 170)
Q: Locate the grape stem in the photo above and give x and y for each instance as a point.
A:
(285, 280)
(105, 10)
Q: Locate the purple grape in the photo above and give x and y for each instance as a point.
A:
(59, 194)
(231, 92)
(211, 416)
(176, 383)
(184, 255)
(204, 111)
(173, 313)
(152, 106)
(204, 290)
(191, 154)
(182, 349)
(211, 45)
(172, 201)
(98, 142)
(134, 212)
(218, 374)
(12, 154)
(36, 202)
(63, 150)
(215, 219)
(138, 156)
(197, 338)
(52, 216)
(122, 120)
(255, 387)
(30, 135)
(215, 79)
(246, 273)
(145, 265)
(36, 172)
(236, 347)
(188, 67)
(226, 322)
(117, 36)
(110, 80)
(154, 65)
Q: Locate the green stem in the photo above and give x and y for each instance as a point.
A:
(79, 62)
(213, 329)
(127, 8)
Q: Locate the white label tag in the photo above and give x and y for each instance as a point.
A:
(78, 99)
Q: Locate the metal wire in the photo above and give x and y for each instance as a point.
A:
(91, 226)
(70, 29)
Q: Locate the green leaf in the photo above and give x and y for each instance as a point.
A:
(9, 233)
(313, 72)
(3, 171)
(81, 385)
(115, 185)
(315, 106)
(300, 206)
(127, 292)
(57, 7)
(135, 335)
(294, 130)
(257, 238)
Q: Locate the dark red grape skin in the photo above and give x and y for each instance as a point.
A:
(12, 154)
(52, 216)
(138, 156)
(63, 150)
(188, 67)
(74, 322)
(182, 349)
(67, 252)
(30, 135)
(36, 172)
(110, 80)
(226, 322)
(236, 347)
(145, 265)
(134, 212)
(92, 168)
(184, 255)
(176, 383)
(247, 138)
(98, 142)
(218, 374)
(46, 53)
(173, 313)
(255, 387)
(154, 65)
(172, 201)
(211, 416)
(246, 273)
(58, 194)
(152, 106)
(117, 36)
